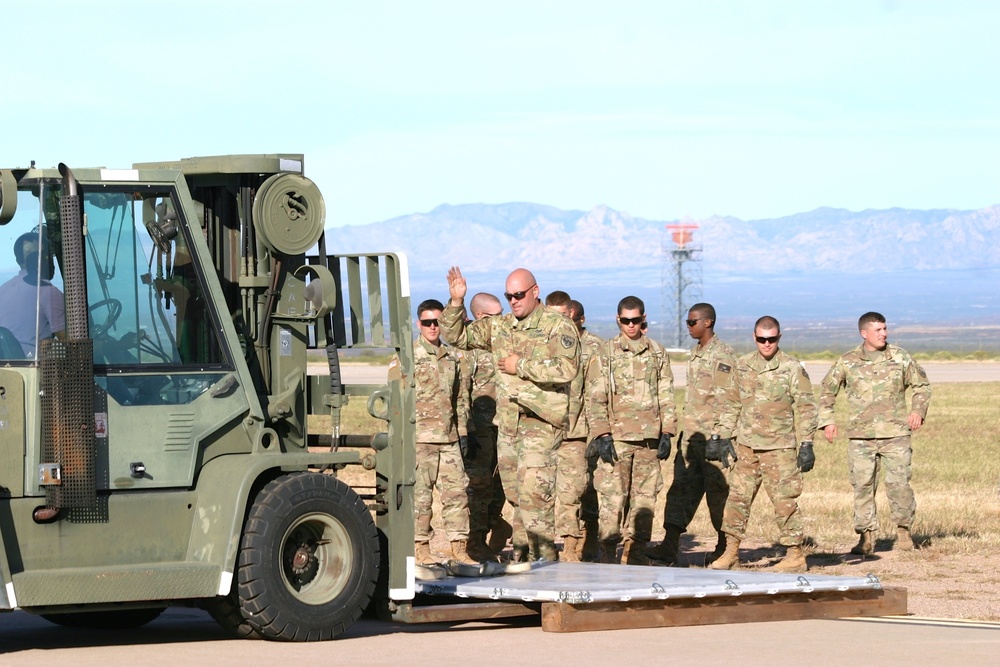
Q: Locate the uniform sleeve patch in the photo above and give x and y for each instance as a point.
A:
(724, 368)
(567, 341)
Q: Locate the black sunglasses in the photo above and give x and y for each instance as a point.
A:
(429, 323)
(631, 320)
(767, 339)
(510, 296)
(691, 323)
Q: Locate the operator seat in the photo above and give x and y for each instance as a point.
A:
(10, 347)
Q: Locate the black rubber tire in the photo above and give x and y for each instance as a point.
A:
(225, 610)
(309, 559)
(123, 619)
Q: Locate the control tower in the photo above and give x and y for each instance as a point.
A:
(681, 282)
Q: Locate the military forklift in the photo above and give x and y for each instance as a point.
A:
(154, 401)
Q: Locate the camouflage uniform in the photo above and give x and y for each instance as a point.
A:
(710, 406)
(774, 394)
(573, 476)
(484, 484)
(876, 384)
(532, 409)
(632, 398)
(442, 413)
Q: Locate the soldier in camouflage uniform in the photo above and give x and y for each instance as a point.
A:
(711, 402)
(572, 467)
(486, 497)
(589, 342)
(775, 393)
(537, 353)
(442, 415)
(633, 419)
(876, 377)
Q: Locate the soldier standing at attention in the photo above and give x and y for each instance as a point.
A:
(876, 377)
(589, 342)
(486, 499)
(633, 419)
(442, 414)
(572, 472)
(711, 396)
(775, 393)
(537, 353)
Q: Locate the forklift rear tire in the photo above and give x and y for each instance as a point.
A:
(309, 559)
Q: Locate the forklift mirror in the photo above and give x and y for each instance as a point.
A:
(8, 197)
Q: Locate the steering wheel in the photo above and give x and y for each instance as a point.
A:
(114, 307)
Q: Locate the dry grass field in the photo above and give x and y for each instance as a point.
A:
(956, 476)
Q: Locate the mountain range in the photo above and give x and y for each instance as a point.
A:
(816, 269)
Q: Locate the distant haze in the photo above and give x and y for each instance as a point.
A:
(926, 271)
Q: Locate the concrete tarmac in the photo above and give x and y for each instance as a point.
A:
(190, 637)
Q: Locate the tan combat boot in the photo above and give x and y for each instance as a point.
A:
(571, 549)
(634, 553)
(865, 545)
(720, 548)
(794, 561)
(609, 551)
(422, 553)
(666, 551)
(502, 531)
(904, 541)
(729, 558)
(460, 554)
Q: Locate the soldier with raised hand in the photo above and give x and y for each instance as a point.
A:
(442, 414)
(633, 420)
(775, 393)
(537, 353)
(710, 404)
(876, 377)
(486, 499)
(572, 467)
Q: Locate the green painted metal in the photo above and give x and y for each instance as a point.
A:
(201, 392)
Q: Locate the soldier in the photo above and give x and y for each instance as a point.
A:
(876, 377)
(775, 393)
(537, 352)
(589, 343)
(572, 470)
(633, 419)
(486, 499)
(711, 395)
(442, 415)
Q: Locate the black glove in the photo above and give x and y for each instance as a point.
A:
(468, 446)
(806, 459)
(720, 449)
(663, 451)
(604, 447)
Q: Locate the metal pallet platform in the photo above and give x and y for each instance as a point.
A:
(590, 596)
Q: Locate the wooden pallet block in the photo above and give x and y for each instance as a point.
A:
(563, 617)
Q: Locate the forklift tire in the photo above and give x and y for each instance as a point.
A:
(225, 610)
(124, 619)
(309, 559)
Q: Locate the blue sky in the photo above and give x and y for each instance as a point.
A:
(662, 109)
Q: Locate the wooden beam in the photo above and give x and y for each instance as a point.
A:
(562, 617)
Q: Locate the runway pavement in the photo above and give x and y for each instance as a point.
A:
(191, 637)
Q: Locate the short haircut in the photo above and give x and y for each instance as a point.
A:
(482, 301)
(870, 317)
(705, 310)
(632, 303)
(429, 304)
(767, 322)
(576, 308)
(558, 299)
